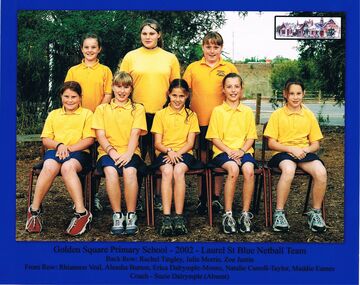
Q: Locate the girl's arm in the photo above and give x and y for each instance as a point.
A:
(189, 144)
(295, 151)
(106, 98)
(233, 153)
(62, 150)
(106, 146)
(81, 145)
(132, 145)
(172, 156)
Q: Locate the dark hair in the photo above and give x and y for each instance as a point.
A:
(91, 36)
(72, 85)
(180, 83)
(292, 81)
(155, 26)
(213, 37)
(232, 75)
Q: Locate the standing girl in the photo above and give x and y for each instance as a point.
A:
(294, 135)
(118, 126)
(152, 69)
(175, 128)
(67, 135)
(95, 79)
(232, 131)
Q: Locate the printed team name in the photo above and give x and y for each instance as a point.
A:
(111, 249)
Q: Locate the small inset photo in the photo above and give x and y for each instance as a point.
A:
(318, 28)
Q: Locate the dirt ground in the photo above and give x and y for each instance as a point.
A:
(58, 207)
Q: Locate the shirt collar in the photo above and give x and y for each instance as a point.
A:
(77, 111)
(227, 107)
(289, 112)
(173, 112)
(220, 63)
(127, 106)
(92, 67)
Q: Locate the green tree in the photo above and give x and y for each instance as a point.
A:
(282, 72)
(323, 61)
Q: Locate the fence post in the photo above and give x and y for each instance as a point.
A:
(258, 108)
(319, 96)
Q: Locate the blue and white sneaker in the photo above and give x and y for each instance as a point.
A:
(118, 224)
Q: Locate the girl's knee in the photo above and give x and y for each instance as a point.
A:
(248, 171)
(68, 168)
(130, 172)
(179, 171)
(233, 171)
(167, 171)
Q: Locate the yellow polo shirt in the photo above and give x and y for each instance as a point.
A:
(118, 122)
(68, 128)
(95, 81)
(206, 86)
(174, 127)
(293, 128)
(232, 126)
(152, 71)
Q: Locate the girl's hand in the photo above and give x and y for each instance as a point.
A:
(123, 159)
(62, 151)
(236, 154)
(174, 157)
(297, 152)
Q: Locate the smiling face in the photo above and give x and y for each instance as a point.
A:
(177, 98)
(294, 96)
(70, 100)
(90, 50)
(149, 37)
(212, 52)
(232, 90)
(122, 93)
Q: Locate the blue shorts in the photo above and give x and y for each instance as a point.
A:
(188, 159)
(135, 162)
(279, 157)
(81, 156)
(221, 158)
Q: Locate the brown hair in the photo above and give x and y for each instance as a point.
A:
(213, 37)
(72, 85)
(155, 26)
(233, 75)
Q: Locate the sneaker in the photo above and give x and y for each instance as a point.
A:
(315, 221)
(280, 223)
(217, 207)
(157, 203)
(201, 208)
(166, 228)
(131, 227)
(244, 222)
(97, 204)
(78, 224)
(228, 223)
(180, 225)
(33, 221)
(118, 224)
(139, 205)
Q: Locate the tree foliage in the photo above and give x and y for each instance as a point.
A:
(323, 61)
(49, 44)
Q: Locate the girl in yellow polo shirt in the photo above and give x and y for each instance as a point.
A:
(232, 131)
(67, 135)
(175, 128)
(294, 135)
(118, 126)
(95, 78)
